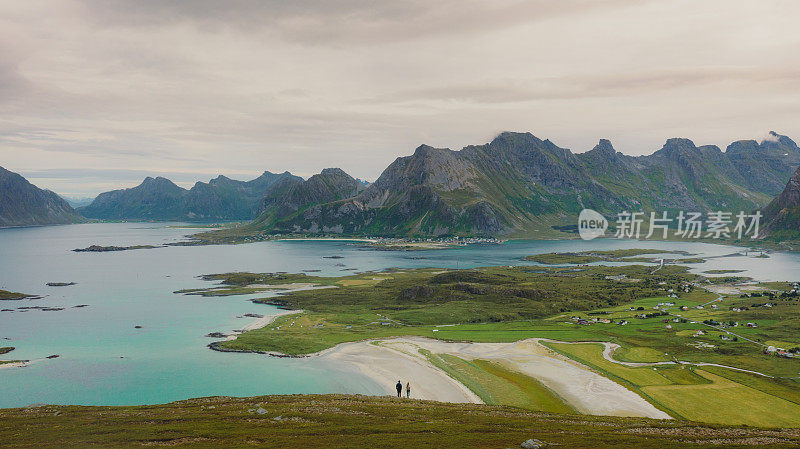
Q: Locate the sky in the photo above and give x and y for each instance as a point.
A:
(98, 94)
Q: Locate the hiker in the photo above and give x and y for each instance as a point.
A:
(399, 388)
(408, 390)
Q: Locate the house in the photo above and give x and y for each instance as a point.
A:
(751, 325)
(623, 322)
(669, 326)
(583, 322)
(684, 308)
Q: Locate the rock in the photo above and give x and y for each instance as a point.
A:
(216, 335)
(261, 411)
(60, 284)
(137, 327)
(532, 444)
(54, 356)
(253, 315)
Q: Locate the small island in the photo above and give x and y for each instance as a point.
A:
(14, 296)
(618, 255)
(60, 284)
(105, 249)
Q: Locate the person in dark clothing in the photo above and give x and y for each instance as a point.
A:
(399, 388)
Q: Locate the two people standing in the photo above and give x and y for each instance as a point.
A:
(399, 388)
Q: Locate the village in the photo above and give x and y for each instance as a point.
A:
(707, 320)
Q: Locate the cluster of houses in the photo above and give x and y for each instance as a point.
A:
(586, 322)
(780, 352)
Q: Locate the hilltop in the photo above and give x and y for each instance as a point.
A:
(340, 421)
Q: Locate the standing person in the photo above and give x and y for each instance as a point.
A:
(408, 390)
(399, 388)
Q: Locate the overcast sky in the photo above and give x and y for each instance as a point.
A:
(96, 95)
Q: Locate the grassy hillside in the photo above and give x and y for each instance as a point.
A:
(337, 421)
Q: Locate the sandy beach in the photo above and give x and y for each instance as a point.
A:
(389, 360)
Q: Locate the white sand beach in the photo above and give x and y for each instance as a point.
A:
(387, 361)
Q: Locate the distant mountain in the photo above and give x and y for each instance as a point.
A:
(782, 215)
(159, 199)
(24, 204)
(77, 201)
(520, 185)
(291, 196)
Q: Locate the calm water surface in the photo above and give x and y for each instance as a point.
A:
(105, 360)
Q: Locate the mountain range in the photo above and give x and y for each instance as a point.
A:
(24, 204)
(520, 185)
(516, 185)
(159, 199)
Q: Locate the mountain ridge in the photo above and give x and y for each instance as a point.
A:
(24, 204)
(160, 199)
(518, 183)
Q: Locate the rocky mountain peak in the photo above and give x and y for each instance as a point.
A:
(334, 171)
(604, 147)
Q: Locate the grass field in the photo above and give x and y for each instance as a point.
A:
(338, 421)
(497, 385)
(698, 394)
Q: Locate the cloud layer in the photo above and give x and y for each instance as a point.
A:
(91, 90)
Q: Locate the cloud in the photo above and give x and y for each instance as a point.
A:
(351, 22)
(115, 87)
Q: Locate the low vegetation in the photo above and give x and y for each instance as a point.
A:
(339, 421)
(414, 302)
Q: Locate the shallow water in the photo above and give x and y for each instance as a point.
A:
(105, 360)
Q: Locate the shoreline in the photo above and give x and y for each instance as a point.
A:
(385, 361)
(257, 324)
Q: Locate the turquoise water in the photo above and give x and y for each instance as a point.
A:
(105, 360)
